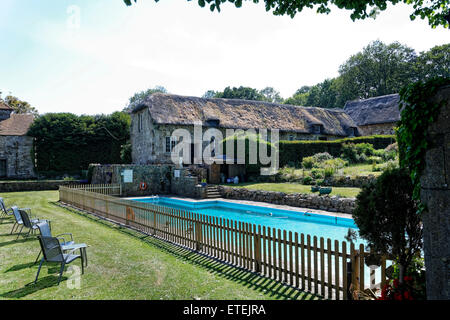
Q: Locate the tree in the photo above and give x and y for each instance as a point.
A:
(245, 93)
(377, 70)
(386, 216)
(67, 142)
(20, 106)
(324, 95)
(434, 62)
(210, 94)
(140, 96)
(436, 11)
(271, 95)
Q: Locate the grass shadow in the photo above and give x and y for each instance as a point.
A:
(252, 280)
(30, 288)
(20, 267)
(4, 244)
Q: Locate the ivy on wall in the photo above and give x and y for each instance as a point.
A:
(417, 113)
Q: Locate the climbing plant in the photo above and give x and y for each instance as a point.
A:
(417, 113)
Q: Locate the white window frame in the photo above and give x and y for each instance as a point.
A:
(172, 143)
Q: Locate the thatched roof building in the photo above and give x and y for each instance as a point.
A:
(16, 125)
(245, 114)
(377, 110)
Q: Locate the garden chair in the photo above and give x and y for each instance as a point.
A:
(53, 252)
(3, 210)
(45, 230)
(27, 221)
(18, 218)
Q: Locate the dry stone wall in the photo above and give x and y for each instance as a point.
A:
(312, 201)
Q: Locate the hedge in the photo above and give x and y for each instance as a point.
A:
(293, 152)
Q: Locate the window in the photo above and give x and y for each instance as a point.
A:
(171, 142)
(214, 145)
(351, 131)
(140, 122)
(317, 128)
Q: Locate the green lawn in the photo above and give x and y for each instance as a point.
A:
(123, 264)
(294, 188)
(352, 170)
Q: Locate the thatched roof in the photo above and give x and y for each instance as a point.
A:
(4, 106)
(16, 125)
(383, 109)
(244, 114)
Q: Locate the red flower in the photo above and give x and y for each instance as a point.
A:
(398, 296)
(396, 283)
(407, 295)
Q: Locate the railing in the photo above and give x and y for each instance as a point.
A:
(106, 189)
(320, 266)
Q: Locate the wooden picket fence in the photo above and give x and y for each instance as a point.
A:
(106, 189)
(329, 268)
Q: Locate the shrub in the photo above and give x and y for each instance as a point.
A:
(308, 180)
(317, 173)
(321, 157)
(389, 165)
(386, 215)
(336, 163)
(375, 159)
(308, 162)
(328, 172)
(296, 151)
(357, 153)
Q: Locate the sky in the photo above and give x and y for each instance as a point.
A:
(90, 57)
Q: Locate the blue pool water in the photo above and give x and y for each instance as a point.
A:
(335, 228)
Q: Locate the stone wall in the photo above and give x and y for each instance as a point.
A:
(380, 128)
(160, 179)
(435, 193)
(311, 201)
(350, 182)
(157, 177)
(187, 185)
(16, 150)
(39, 185)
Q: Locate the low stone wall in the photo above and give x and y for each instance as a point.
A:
(334, 181)
(156, 177)
(311, 201)
(38, 185)
(186, 183)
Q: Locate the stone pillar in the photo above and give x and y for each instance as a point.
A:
(435, 194)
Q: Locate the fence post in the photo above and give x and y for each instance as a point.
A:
(349, 278)
(257, 247)
(355, 270)
(198, 234)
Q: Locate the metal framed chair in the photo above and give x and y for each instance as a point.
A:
(53, 252)
(45, 230)
(18, 218)
(28, 222)
(6, 212)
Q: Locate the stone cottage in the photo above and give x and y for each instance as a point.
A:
(378, 115)
(155, 119)
(16, 160)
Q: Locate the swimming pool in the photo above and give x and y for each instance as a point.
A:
(314, 224)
